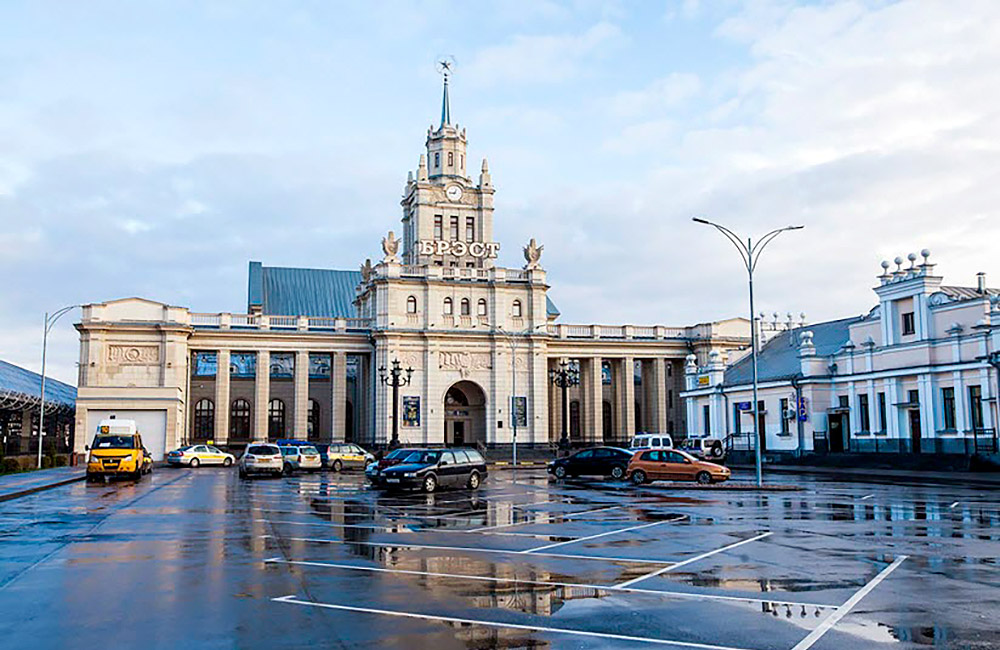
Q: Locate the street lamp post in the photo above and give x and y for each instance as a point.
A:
(565, 376)
(394, 379)
(50, 320)
(750, 252)
(512, 342)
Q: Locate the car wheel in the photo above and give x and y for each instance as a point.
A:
(243, 473)
(473, 480)
(287, 469)
(430, 483)
(337, 465)
(703, 478)
(227, 462)
(618, 472)
(717, 451)
(560, 471)
(195, 463)
(638, 477)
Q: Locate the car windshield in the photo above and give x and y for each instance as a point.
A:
(309, 449)
(262, 450)
(399, 453)
(113, 442)
(423, 457)
(639, 443)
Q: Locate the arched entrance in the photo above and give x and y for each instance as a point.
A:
(464, 414)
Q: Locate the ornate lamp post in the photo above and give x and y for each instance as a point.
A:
(50, 320)
(564, 376)
(750, 254)
(394, 378)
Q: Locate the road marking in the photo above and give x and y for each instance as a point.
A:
(953, 505)
(468, 549)
(555, 514)
(629, 583)
(844, 609)
(402, 528)
(544, 583)
(500, 624)
(867, 496)
(604, 534)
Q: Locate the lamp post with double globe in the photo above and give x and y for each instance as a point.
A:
(394, 379)
(564, 376)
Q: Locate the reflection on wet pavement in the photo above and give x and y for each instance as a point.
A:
(526, 563)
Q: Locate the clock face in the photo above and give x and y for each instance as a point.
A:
(454, 192)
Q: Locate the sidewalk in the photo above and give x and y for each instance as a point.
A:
(15, 485)
(982, 479)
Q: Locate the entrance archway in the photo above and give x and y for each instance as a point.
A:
(464, 414)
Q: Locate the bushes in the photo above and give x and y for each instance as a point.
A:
(46, 462)
(60, 461)
(10, 466)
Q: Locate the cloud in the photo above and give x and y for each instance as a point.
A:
(657, 97)
(542, 59)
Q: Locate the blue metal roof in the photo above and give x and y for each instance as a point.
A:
(283, 291)
(550, 307)
(18, 381)
(779, 357)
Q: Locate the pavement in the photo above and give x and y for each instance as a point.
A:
(201, 559)
(16, 485)
(897, 476)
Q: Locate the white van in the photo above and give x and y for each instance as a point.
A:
(651, 441)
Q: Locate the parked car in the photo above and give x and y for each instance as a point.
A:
(373, 471)
(705, 447)
(673, 465)
(117, 451)
(595, 461)
(195, 455)
(300, 457)
(429, 469)
(347, 454)
(261, 459)
(651, 441)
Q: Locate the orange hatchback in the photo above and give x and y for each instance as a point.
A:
(673, 465)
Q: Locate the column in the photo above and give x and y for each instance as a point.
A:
(658, 398)
(626, 392)
(593, 403)
(338, 402)
(301, 422)
(222, 397)
(261, 395)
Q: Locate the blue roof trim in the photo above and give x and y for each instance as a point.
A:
(305, 292)
(550, 307)
(17, 380)
(255, 290)
(779, 358)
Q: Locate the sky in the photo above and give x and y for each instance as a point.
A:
(154, 148)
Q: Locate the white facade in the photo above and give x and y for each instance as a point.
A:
(915, 374)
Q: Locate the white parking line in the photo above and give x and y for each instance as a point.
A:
(953, 505)
(844, 609)
(468, 549)
(543, 583)
(500, 624)
(629, 583)
(867, 496)
(604, 534)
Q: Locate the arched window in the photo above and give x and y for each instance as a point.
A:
(516, 309)
(239, 419)
(204, 419)
(275, 419)
(466, 307)
(411, 305)
(313, 423)
(481, 307)
(437, 160)
(451, 158)
(449, 307)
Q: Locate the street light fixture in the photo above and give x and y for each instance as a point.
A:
(394, 378)
(750, 252)
(50, 320)
(512, 341)
(564, 376)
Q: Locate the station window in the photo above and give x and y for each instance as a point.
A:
(239, 419)
(948, 407)
(312, 425)
(451, 158)
(466, 307)
(908, 324)
(516, 309)
(437, 161)
(470, 229)
(411, 305)
(275, 419)
(481, 308)
(454, 228)
(449, 307)
(438, 228)
(204, 418)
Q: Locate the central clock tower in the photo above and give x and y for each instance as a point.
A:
(448, 218)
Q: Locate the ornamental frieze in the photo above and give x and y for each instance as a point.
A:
(134, 355)
(464, 360)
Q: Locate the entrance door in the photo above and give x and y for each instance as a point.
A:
(465, 414)
(915, 430)
(836, 433)
(458, 433)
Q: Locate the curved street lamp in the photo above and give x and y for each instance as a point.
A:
(50, 320)
(750, 252)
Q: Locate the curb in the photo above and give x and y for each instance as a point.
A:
(40, 488)
(503, 464)
(968, 479)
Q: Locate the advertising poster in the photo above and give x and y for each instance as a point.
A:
(411, 411)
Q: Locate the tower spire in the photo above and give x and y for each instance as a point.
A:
(445, 105)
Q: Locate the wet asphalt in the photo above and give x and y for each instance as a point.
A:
(201, 559)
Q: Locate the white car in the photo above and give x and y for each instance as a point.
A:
(705, 447)
(195, 455)
(651, 441)
(301, 457)
(261, 459)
